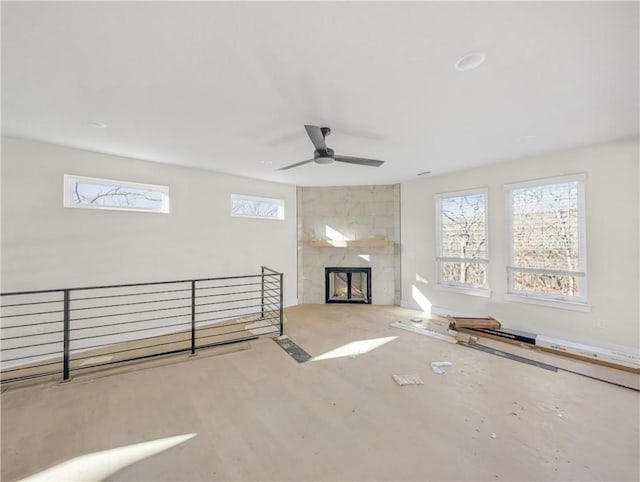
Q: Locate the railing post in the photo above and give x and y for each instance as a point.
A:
(262, 296)
(193, 317)
(65, 339)
(281, 309)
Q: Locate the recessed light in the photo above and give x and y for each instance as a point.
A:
(266, 163)
(470, 61)
(423, 173)
(98, 125)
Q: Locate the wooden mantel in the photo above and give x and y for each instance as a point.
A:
(356, 243)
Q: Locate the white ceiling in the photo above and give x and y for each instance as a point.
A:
(229, 86)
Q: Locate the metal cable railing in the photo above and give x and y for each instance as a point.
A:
(60, 332)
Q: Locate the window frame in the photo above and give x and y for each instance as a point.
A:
(576, 303)
(468, 289)
(247, 197)
(70, 179)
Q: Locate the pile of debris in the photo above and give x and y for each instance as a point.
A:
(487, 334)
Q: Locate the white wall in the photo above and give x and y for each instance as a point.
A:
(47, 246)
(612, 210)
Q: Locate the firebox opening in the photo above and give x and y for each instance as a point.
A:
(348, 285)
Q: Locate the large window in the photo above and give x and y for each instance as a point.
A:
(547, 240)
(89, 192)
(256, 207)
(461, 227)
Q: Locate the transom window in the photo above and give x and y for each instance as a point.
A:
(461, 229)
(94, 193)
(256, 207)
(547, 239)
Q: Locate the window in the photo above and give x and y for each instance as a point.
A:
(88, 192)
(461, 229)
(256, 207)
(547, 258)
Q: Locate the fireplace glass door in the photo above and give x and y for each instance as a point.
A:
(348, 285)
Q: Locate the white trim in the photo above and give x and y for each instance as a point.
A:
(562, 304)
(541, 298)
(465, 290)
(410, 305)
(581, 177)
(70, 179)
(484, 290)
(464, 192)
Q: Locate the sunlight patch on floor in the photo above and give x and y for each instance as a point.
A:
(354, 348)
(98, 466)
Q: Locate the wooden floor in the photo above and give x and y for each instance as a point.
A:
(259, 415)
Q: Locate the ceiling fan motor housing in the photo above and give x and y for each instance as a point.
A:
(324, 157)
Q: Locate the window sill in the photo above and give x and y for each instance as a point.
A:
(482, 292)
(563, 305)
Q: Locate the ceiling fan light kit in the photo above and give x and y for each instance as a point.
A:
(325, 155)
(470, 61)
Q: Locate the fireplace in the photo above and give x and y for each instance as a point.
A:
(347, 285)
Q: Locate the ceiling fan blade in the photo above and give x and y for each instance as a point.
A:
(295, 165)
(359, 160)
(315, 134)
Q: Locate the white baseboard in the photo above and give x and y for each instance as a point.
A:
(411, 305)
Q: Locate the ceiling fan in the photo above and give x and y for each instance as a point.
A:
(326, 155)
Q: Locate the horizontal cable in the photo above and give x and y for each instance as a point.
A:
(31, 356)
(130, 304)
(31, 324)
(233, 322)
(131, 313)
(29, 367)
(220, 334)
(32, 334)
(91, 347)
(32, 303)
(129, 294)
(228, 309)
(224, 325)
(226, 286)
(130, 285)
(128, 322)
(22, 347)
(227, 318)
(131, 331)
(214, 326)
(229, 301)
(32, 314)
(226, 294)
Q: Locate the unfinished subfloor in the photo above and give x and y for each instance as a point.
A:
(260, 415)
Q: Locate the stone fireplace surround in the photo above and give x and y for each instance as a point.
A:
(349, 226)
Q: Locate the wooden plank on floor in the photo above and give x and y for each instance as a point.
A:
(591, 370)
